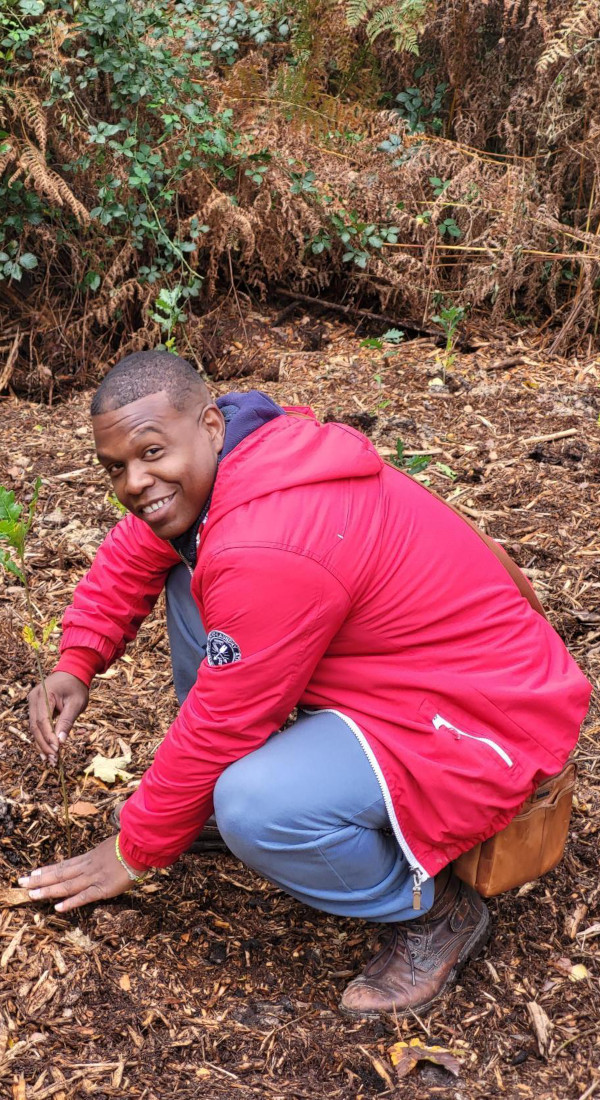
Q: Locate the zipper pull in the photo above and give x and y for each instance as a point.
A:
(416, 891)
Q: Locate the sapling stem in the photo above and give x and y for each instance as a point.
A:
(40, 671)
(14, 528)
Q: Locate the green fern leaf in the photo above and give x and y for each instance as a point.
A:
(357, 10)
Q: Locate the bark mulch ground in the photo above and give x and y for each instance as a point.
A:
(207, 981)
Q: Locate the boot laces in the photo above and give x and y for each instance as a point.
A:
(398, 938)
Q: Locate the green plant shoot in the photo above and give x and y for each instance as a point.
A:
(15, 524)
(449, 318)
(413, 464)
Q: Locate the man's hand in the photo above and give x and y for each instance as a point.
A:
(95, 875)
(66, 695)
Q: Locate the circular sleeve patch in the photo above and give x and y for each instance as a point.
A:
(221, 649)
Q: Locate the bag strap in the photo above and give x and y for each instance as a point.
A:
(498, 551)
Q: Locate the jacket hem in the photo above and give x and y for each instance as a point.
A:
(416, 867)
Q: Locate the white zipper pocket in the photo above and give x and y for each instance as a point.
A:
(439, 722)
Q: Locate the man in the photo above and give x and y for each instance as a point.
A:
(433, 694)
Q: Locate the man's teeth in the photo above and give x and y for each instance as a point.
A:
(154, 507)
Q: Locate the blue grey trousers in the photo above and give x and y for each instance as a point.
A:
(305, 810)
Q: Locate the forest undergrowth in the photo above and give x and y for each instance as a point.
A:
(432, 161)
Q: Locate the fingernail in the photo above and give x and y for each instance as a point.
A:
(52, 760)
(35, 874)
(59, 907)
(35, 894)
(62, 736)
(42, 758)
(23, 880)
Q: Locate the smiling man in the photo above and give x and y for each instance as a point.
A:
(301, 571)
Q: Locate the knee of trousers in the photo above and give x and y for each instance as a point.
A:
(246, 809)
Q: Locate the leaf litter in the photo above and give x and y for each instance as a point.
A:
(207, 981)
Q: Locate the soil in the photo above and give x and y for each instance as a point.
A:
(207, 981)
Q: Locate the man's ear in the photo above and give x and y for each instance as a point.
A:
(214, 423)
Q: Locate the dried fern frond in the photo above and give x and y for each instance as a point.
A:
(105, 310)
(580, 27)
(120, 265)
(49, 183)
(28, 108)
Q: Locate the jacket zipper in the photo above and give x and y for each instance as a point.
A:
(418, 872)
(440, 722)
(186, 562)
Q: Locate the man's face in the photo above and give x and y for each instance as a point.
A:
(162, 462)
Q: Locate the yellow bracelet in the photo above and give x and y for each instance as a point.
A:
(134, 876)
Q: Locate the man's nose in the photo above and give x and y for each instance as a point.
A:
(139, 478)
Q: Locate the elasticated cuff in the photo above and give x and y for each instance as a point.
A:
(80, 662)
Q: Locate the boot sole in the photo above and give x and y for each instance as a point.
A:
(471, 951)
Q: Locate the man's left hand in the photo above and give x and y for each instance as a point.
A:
(95, 875)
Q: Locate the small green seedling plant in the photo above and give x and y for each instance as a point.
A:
(390, 340)
(410, 464)
(16, 521)
(417, 464)
(449, 318)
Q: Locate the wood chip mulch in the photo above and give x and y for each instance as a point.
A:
(207, 981)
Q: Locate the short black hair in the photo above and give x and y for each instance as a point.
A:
(145, 373)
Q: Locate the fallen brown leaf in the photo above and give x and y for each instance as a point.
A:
(574, 920)
(83, 809)
(405, 1056)
(542, 1026)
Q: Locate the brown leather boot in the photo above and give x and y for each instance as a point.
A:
(422, 957)
(209, 840)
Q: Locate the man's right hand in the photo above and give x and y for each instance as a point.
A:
(67, 697)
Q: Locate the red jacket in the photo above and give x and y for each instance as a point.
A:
(345, 586)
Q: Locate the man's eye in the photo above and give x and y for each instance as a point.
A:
(151, 452)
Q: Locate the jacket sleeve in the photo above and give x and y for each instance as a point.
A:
(281, 610)
(114, 597)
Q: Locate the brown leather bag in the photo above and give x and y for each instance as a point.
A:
(534, 841)
(532, 844)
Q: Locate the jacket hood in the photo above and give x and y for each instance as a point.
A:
(243, 414)
(286, 452)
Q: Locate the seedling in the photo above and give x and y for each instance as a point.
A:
(15, 524)
(393, 337)
(415, 464)
(449, 318)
